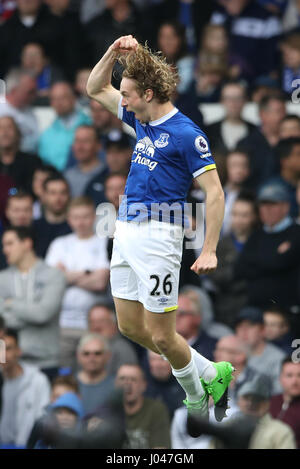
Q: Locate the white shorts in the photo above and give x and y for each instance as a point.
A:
(145, 263)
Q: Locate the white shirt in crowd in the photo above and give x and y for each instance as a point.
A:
(78, 255)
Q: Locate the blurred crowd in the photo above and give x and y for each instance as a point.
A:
(64, 355)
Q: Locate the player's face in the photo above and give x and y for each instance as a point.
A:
(132, 100)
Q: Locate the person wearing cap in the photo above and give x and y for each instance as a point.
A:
(270, 260)
(87, 166)
(269, 433)
(263, 357)
(118, 150)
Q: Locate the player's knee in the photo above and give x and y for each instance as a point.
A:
(128, 331)
(162, 342)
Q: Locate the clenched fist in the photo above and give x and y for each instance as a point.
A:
(125, 44)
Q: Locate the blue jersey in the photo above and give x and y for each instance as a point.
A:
(168, 154)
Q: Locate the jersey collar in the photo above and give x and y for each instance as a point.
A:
(164, 118)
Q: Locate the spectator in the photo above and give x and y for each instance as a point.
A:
(25, 393)
(6, 187)
(286, 406)
(19, 166)
(269, 433)
(19, 209)
(7, 9)
(118, 156)
(114, 188)
(289, 127)
(232, 348)
(31, 294)
(290, 50)
(288, 153)
(35, 61)
(161, 384)
(102, 320)
(241, 18)
(260, 145)
(238, 172)
(270, 259)
(88, 167)
(226, 133)
(40, 175)
(103, 120)
(264, 358)
(95, 385)
(188, 324)
(171, 40)
(56, 141)
(81, 79)
(82, 256)
(230, 294)
(147, 420)
(53, 222)
(65, 414)
(20, 94)
(278, 329)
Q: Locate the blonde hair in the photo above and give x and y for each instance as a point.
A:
(82, 201)
(150, 71)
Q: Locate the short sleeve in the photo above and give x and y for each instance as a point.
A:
(125, 116)
(196, 150)
(54, 253)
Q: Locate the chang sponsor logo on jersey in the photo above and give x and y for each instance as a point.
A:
(143, 150)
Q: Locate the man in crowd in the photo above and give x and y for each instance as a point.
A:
(147, 420)
(286, 406)
(88, 166)
(270, 259)
(95, 385)
(102, 320)
(56, 141)
(20, 94)
(18, 165)
(263, 357)
(289, 126)
(25, 394)
(278, 329)
(82, 257)
(53, 223)
(31, 294)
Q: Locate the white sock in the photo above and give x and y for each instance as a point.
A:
(205, 368)
(188, 379)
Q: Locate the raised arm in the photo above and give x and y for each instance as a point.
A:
(99, 85)
(210, 183)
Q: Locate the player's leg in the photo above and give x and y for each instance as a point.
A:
(131, 322)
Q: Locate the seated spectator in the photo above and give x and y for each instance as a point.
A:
(188, 324)
(171, 40)
(230, 294)
(261, 143)
(25, 394)
(95, 385)
(103, 120)
(290, 54)
(65, 414)
(53, 223)
(240, 19)
(231, 348)
(82, 257)
(226, 133)
(31, 294)
(288, 154)
(87, 167)
(35, 61)
(289, 127)
(81, 79)
(19, 209)
(147, 419)
(102, 320)
(238, 172)
(118, 155)
(269, 433)
(286, 406)
(18, 165)
(161, 384)
(264, 357)
(278, 329)
(56, 141)
(40, 175)
(270, 259)
(20, 94)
